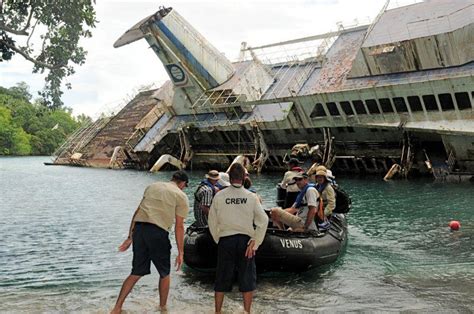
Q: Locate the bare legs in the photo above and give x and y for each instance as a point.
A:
(126, 288)
(247, 300)
(219, 300)
(276, 220)
(164, 288)
(129, 283)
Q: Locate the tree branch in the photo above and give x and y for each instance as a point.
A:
(30, 58)
(8, 29)
(29, 18)
(31, 34)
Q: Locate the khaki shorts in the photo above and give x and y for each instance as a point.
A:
(293, 221)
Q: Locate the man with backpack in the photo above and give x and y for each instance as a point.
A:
(300, 216)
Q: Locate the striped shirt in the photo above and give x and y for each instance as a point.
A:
(203, 197)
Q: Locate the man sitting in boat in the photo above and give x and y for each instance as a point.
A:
(288, 183)
(300, 216)
(327, 195)
(203, 197)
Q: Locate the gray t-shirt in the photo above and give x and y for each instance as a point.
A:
(310, 199)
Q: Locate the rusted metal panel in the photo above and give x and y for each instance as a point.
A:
(420, 20)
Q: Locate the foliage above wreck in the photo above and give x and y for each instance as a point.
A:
(28, 127)
(47, 33)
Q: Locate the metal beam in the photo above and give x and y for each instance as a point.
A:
(310, 38)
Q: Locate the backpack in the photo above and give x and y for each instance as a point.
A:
(343, 200)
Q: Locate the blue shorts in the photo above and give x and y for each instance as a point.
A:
(231, 262)
(150, 244)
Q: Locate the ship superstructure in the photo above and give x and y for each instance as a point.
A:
(398, 91)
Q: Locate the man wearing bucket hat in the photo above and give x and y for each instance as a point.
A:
(163, 204)
(300, 216)
(203, 197)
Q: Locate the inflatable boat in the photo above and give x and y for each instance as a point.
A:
(282, 251)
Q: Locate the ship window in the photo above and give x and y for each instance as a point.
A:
(463, 101)
(415, 103)
(373, 130)
(400, 104)
(430, 103)
(446, 102)
(287, 131)
(386, 105)
(317, 131)
(350, 129)
(346, 107)
(332, 108)
(341, 130)
(359, 106)
(318, 111)
(372, 106)
(309, 131)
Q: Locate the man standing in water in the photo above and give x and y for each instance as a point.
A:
(162, 204)
(234, 213)
(203, 197)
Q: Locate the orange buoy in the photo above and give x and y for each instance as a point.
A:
(454, 225)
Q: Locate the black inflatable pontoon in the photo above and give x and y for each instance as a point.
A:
(280, 251)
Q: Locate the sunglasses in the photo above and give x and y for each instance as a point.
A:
(298, 179)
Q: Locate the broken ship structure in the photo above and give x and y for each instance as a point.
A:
(396, 94)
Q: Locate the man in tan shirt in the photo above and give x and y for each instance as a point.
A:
(163, 203)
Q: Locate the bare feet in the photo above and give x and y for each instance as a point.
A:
(116, 311)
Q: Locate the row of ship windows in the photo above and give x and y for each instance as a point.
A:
(429, 101)
(348, 129)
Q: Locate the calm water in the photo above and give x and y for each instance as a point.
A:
(61, 226)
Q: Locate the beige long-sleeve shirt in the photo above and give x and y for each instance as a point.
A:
(236, 211)
(329, 200)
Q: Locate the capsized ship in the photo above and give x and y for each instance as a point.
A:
(393, 95)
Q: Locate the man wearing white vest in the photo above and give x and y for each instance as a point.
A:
(238, 224)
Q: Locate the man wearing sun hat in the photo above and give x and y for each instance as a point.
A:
(300, 216)
(163, 204)
(288, 183)
(203, 197)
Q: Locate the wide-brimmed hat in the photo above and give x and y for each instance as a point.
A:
(322, 173)
(321, 168)
(213, 175)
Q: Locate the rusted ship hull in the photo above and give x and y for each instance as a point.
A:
(368, 102)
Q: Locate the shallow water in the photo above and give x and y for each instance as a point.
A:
(61, 226)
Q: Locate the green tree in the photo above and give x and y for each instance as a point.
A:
(54, 47)
(13, 140)
(27, 128)
(83, 119)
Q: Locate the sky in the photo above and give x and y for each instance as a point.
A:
(110, 76)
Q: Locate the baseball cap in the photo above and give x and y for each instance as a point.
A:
(301, 175)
